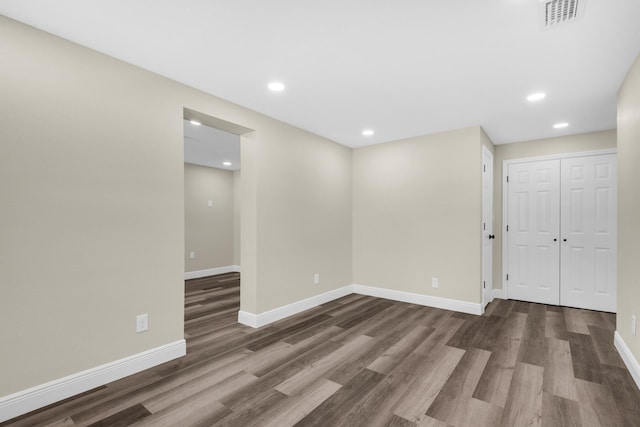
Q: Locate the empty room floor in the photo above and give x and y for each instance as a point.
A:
(364, 361)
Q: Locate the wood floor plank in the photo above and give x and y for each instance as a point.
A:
(445, 329)
(389, 359)
(267, 382)
(533, 343)
(489, 335)
(532, 351)
(283, 334)
(603, 343)
(243, 414)
(586, 364)
(397, 421)
(283, 355)
(199, 410)
(598, 407)
(431, 422)
(453, 399)
(521, 307)
(479, 413)
(123, 418)
(389, 319)
(524, 405)
(376, 408)
(466, 335)
(598, 319)
(560, 412)
(364, 315)
(329, 412)
(294, 384)
(430, 379)
(66, 422)
(555, 325)
(575, 321)
(503, 307)
(364, 361)
(206, 385)
(558, 369)
(297, 407)
(493, 386)
(619, 383)
(58, 412)
(356, 362)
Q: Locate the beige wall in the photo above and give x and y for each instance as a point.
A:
(237, 195)
(417, 213)
(304, 217)
(629, 207)
(92, 213)
(209, 231)
(544, 147)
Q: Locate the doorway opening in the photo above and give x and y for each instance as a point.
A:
(212, 196)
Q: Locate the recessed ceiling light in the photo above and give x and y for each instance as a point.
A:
(276, 86)
(195, 122)
(560, 125)
(367, 132)
(536, 96)
(227, 163)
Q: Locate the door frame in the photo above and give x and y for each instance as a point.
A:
(487, 288)
(505, 170)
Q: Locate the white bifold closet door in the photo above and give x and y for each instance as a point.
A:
(533, 210)
(561, 243)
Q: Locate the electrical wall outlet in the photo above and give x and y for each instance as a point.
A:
(192, 255)
(210, 203)
(434, 282)
(142, 323)
(316, 279)
(633, 325)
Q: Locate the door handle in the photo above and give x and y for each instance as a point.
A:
(555, 240)
(492, 236)
(564, 240)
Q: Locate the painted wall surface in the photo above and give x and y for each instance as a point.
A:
(209, 230)
(237, 203)
(304, 217)
(592, 141)
(629, 207)
(92, 213)
(417, 213)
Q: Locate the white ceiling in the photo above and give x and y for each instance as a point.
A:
(207, 146)
(402, 68)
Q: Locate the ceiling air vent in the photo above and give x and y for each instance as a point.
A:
(556, 12)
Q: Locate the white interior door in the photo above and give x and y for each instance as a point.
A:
(588, 254)
(487, 225)
(533, 218)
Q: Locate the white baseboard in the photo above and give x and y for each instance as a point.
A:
(211, 272)
(627, 357)
(497, 293)
(42, 395)
(262, 319)
(426, 300)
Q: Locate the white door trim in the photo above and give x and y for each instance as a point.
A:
(487, 292)
(505, 170)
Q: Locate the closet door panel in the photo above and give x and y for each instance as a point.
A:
(588, 227)
(533, 211)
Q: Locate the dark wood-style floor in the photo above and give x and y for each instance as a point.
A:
(363, 361)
